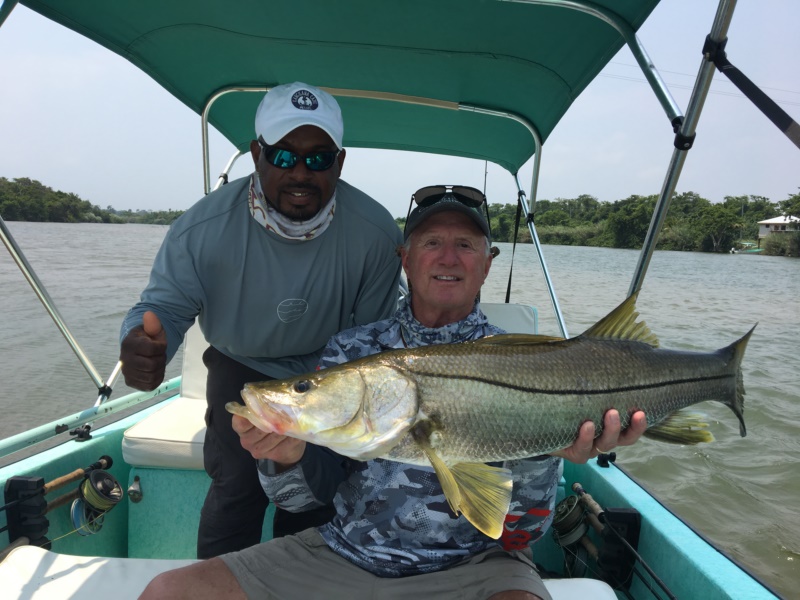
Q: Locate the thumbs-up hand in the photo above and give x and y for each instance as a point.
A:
(143, 353)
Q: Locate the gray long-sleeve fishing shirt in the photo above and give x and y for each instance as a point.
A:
(269, 302)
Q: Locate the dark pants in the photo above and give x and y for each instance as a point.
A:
(233, 512)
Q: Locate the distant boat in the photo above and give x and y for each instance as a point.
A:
(746, 248)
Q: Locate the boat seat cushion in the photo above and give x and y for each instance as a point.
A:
(193, 370)
(36, 574)
(170, 438)
(514, 318)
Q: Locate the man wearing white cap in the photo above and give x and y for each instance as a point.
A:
(272, 265)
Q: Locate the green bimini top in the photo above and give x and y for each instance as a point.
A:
(446, 60)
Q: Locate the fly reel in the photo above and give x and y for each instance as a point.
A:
(568, 522)
(98, 493)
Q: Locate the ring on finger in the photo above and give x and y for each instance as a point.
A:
(600, 451)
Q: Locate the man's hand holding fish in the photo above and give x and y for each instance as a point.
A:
(283, 450)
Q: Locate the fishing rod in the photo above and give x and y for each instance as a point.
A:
(598, 517)
(25, 504)
(575, 515)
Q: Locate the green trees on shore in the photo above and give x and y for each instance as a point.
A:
(26, 199)
(692, 223)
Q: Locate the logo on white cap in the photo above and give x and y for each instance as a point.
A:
(289, 106)
(305, 100)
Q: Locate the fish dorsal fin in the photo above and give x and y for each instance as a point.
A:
(621, 324)
(516, 339)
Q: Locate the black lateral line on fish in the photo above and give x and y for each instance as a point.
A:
(632, 388)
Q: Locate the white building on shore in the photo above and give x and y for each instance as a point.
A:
(777, 225)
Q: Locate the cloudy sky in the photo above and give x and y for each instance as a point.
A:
(81, 119)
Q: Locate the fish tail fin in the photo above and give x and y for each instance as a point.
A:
(681, 428)
(734, 354)
(481, 492)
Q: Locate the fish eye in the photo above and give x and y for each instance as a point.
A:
(301, 387)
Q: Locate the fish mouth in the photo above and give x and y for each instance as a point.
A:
(275, 417)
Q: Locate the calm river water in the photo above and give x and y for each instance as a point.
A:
(740, 492)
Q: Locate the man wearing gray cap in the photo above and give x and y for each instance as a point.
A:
(272, 265)
(394, 535)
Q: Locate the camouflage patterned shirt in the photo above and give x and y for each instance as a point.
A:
(392, 519)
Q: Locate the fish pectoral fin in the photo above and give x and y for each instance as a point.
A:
(681, 428)
(485, 495)
(621, 324)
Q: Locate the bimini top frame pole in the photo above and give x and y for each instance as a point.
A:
(537, 160)
(629, 35)
(47, 302)
(6, 6)
(683, 142)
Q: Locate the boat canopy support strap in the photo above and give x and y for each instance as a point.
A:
(715, 52)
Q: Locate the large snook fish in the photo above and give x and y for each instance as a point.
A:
(457, 406)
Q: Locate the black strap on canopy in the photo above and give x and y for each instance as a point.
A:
(715, 52)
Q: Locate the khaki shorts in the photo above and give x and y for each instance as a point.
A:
(302, 566)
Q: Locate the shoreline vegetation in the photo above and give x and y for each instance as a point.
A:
(692, 223)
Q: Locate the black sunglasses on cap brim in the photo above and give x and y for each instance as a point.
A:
(431, 194)
(321, 160)
(468, 196)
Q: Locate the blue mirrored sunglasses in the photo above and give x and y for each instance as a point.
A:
(286, 159)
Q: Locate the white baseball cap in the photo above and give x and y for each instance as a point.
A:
(286, 107)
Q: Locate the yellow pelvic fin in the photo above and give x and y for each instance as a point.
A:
(681, 428)
(446, 479)
(486, 495)
(481, 492)
(621, 324)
